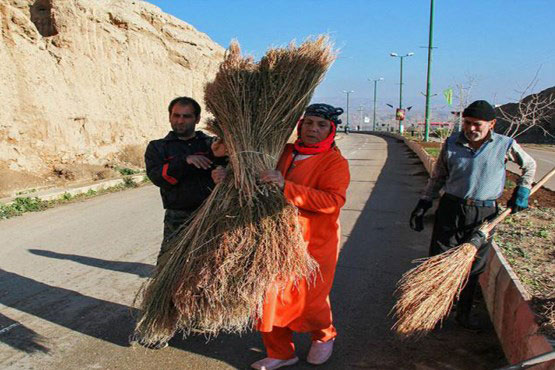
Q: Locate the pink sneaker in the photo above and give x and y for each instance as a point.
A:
(269, 363)
(320, 352)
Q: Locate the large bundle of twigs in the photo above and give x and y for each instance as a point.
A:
(246, 235)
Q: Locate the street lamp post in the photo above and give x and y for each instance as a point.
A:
(375, 89)
(361, 110)
(348, 93)
(428, 77)
(395, 55)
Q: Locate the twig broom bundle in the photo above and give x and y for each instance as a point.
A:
(427, 292)
(246, 235)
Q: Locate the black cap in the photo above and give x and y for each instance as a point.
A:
(480, 109)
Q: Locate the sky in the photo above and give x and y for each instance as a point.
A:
(496, 46)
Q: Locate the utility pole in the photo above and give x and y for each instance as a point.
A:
(401, 87)
(461, 107)
(375, 90)
(361, 109)
(430, 47)
(348, 93)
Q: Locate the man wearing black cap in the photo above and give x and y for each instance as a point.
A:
(471, 172)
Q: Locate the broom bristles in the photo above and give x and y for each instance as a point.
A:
(246, 235)
(427, 292)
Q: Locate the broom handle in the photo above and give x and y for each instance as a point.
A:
(488, 226)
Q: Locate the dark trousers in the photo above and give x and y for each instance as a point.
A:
(454, 224)
(174, 221)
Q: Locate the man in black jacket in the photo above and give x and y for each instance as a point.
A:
(180, 165)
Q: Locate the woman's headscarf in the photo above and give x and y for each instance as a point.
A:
(327, 112)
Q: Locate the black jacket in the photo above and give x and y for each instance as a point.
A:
(182, 186)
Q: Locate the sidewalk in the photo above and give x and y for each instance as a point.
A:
(74, 189)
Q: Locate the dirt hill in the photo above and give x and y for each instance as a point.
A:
(536, 134)
(85, 83)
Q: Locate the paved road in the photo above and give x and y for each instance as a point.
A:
(545, 160)
(68, 277)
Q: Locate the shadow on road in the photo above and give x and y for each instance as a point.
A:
(379, 250)
(140, 269)
(104, 320)
(20, 337)
(93, 317)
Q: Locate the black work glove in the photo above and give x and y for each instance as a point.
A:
(519, 199)
(478, 239)
(417, 216)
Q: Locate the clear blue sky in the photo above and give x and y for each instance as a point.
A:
(500, 43)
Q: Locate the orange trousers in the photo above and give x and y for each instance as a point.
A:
(279, 342)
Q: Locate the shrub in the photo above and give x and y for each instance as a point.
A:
(128, 182)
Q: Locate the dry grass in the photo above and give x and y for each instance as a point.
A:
(246, 235)
(427, 292)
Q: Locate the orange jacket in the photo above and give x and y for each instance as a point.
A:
(317, 187)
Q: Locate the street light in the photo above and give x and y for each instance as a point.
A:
(361, 110)
(348, 93)
(428, 76)
(395, 55)
(375, 88)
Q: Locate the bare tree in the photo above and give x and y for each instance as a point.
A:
(463, 94)
(531, 110)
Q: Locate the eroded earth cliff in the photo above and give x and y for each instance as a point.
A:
(84, 82)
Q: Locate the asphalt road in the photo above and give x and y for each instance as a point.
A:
(545, 161)
(68, 277)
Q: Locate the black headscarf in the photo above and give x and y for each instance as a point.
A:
(325, 111)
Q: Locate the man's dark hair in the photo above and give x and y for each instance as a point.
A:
(185, 100)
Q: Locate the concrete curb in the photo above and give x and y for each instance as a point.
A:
(508, 303)
(426, 159)
(57, 193)
(507, 300)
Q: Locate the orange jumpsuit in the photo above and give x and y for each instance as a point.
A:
(317, 187)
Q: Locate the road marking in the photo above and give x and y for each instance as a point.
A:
(5, 330)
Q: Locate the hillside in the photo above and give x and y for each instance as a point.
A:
(86, 83)
(534, 135)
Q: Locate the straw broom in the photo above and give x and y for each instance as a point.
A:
(427, 292)
(246, 235)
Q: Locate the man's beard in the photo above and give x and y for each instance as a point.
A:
(472, 137)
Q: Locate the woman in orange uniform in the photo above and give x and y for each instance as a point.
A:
(314, 177)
